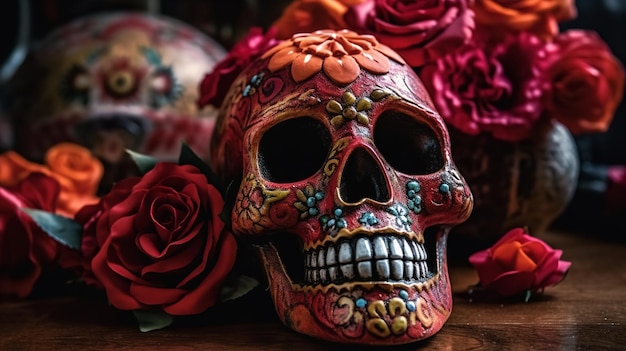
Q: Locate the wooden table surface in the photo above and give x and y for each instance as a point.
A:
(587, 311)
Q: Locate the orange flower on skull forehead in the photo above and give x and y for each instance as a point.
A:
(310, 15)
(539, 17)
(339, 54)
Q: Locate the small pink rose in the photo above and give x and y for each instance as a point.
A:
(519, 262)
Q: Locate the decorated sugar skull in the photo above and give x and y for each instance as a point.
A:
(115, 81)
(347, 187)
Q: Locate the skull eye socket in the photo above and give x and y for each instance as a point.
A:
(293, 150)
(408, 145)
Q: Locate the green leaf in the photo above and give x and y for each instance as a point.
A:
(144, 162)
(237, 286)
(150, 320)
(527, 295)
(188, 157)
(229, 202)
(61, 229)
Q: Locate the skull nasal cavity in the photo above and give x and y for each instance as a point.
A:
(362, 178)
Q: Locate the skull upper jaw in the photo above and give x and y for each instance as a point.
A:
(362, 312)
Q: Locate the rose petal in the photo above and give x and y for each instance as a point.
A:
(511, 283)
(116, 287)
(156, 296)
(207, 293)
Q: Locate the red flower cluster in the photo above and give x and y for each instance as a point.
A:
(153, 242)
(518, 71)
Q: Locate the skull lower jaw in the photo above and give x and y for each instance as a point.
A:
(362, 312)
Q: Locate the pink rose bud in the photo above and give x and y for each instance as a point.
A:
(519, 262)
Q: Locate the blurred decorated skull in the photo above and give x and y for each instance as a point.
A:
(115, 81)
(347, 187)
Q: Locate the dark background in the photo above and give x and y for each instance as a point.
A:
(228, 20)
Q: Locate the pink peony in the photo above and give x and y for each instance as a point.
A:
(495, 89)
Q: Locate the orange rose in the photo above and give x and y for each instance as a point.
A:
(304, 16)
(14, 168)
(539, 17)
(72, 166)
(79, 174)
(77, 164)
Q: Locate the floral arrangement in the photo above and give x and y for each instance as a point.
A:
(492, 66)
(155, 244)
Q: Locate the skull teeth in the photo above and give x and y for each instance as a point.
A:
(379, 258)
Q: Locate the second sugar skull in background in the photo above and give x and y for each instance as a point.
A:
(115, 81)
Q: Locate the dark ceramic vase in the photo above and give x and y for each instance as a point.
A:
(515, 184)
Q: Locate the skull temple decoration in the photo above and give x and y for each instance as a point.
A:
(347, 189)
(114, 81)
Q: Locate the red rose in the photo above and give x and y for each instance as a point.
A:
(519, 262)
(495, 89)
(25, 250)
(216, 84)
(80, 261)
(587, 82)
(420, 31)
(160, 242)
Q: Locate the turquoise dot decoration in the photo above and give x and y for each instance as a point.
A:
(444, 188)
(361, 302)
(403, 294)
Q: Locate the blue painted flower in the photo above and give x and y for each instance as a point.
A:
(334, 222)
(309, 199)
(368, 218)
(402, 216)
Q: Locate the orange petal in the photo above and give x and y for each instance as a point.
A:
(282, 59)
(280, 46)
(342, 70)
(305, 66)
(511, 256)
(373, 61)
(387, 51)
